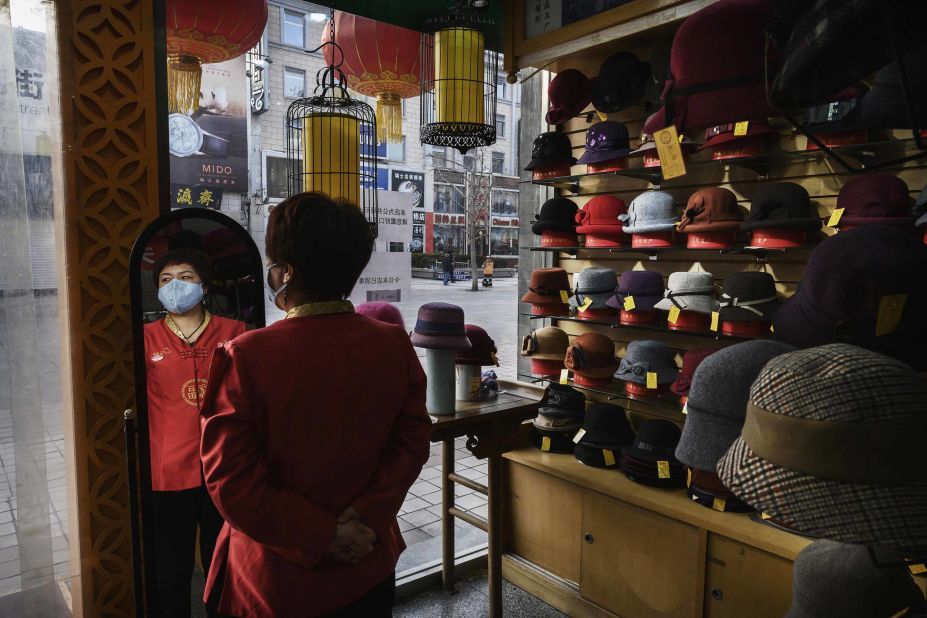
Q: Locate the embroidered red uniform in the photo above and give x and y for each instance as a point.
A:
(177, 375)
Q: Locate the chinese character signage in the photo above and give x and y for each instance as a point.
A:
(413, 183)
(388, 275)
(32, 85)
(183, 196)
(210, 149)
(545, 15)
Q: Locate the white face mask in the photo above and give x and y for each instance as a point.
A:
(178, 296)
(272, 294)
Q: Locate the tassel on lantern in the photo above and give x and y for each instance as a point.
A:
(183, 84)
(389, 118)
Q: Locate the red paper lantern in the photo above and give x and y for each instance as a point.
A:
(201, 32)
(380, 60)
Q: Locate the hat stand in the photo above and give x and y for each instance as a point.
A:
(652, 240)
(439, 394)
(545, 367)
(559, 239)
(691, 321)
(778, 238)
(581, 380)
(632, 388)
(468, 382)
(605, 314)
(745, 329)
(550, 309)
(603, 240)
(653, 159)
(840, 139)
(710, 240)
(615, 165)
(739, 149)
(640, 318)
(550, 171)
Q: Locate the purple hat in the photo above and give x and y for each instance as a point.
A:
(645, 286)
(384, 312)
(605, 141)
(875, 198)
(440, 326)
(848, 278)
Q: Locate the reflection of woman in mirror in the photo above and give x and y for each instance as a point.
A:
(314, 428)
(178, 350)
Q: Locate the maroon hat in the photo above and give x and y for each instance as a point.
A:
(483, 351)
(600, 215)
(717, 67)
(592, 355)
(569, 93)
(724, 133)
(440, 326)
(875, 198)
(546, 285)
(690, 360)
(384, 312)
(713, 209)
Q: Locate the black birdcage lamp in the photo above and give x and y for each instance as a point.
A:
(331, 143)
(458, 79)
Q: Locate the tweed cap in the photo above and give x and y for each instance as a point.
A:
(605, 141)
(440, 326)
(690, 291)
(557, 214)
(564, 401)
(650, 212)
(596, 283)
(482, 351)
(592, 355)
(690, 362)
(777, 205)
(548, 343)
(875, 199)
(644, 356)
(601, 215)
(646, 287)
(833, 444)
(713, 209)
(849, 276)
(382, 311)
(551, 149)
(717, 400)
(840, 579)
(606, 426)
(546, 285)
(749, 297)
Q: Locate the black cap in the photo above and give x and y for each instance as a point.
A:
(551, 149)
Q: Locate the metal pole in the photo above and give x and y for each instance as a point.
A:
(132, 461)
(447, 520)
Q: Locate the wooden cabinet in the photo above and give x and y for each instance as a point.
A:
(743, 581)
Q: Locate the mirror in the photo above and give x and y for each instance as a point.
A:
(197, 281)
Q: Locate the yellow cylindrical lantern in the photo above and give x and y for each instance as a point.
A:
(459, 67)
(331, 156)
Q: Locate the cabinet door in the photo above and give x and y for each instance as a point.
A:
(639, 564)
(745, 581)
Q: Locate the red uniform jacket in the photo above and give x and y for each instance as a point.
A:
(303, 419)
(176, 375)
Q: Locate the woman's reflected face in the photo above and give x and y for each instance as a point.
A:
(183, 271)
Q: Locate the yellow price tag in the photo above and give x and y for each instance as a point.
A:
(565, 297)
(741, 128)
(715, 318)
(718, 504)
(765, 516)
(629, 303)
(564, 376)
(917, 569)
(891, 308)
(475, 383)
(835, 217)
(772, 328)
(601, 115)
(609, 457)
(673, 314)
(579, 436)
(651, 379)
(586, 304)
(685, 408)
(688, 477)
(663, 469)
(545, 444)
(672, 163)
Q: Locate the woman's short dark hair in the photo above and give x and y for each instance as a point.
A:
(327, 242)
(196, 259)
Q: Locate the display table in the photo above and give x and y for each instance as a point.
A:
(492, 428)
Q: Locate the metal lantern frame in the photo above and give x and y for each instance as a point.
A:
(330, 99)
(462, 92)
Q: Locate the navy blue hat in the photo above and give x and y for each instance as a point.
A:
(605, 141)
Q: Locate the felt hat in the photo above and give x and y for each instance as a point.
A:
(718, 397)
(483, 349)
(659, 70)
(730, 504)
(645, 286)
(382, 311)
(551, 149)
(721, 134)
(841, 579)
(554, 439)
(557, 214)
(546, 285)
(643, 356)
(851, 279)
(875, 199)
(601, 215)
(569, 93)
(885, 105)
(440, 326)
(690, 291)
(564, 401)
(620, 83)
(717, 67)
(595, 456)
(832, 445)
(748, 297)
(548, 343)
(605, 141)
(778, 205)
(691, 359)
(665, 473)
(592, 355)
(713, 209)
(650, 212)
(596, 283)
(606, 426)
(656, 440)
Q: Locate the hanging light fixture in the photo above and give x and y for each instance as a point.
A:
(458, 79)
(331, 139)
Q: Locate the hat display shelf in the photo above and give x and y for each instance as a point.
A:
(660, 324)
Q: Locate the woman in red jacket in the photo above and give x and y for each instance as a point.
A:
(178, 350)
(314, 429)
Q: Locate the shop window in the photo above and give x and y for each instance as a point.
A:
(276, 182)
(294, 28)
(500, 126)
(294, 83)
(498, 163)
(505, 203)
(504, 241)
(396, 247)
(501, 87)
(449, 199)
(450, 238)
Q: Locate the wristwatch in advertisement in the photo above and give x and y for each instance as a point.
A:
(187, 138)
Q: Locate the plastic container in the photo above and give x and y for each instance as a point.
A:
(468, 382)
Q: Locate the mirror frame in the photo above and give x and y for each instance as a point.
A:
(143, 534)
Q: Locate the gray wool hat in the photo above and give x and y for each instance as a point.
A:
(649, 212)
(690, 291)
(596, 283)
(644, 356)
(717, 402)
(839, 579)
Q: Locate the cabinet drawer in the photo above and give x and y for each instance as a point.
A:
(744, 581)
